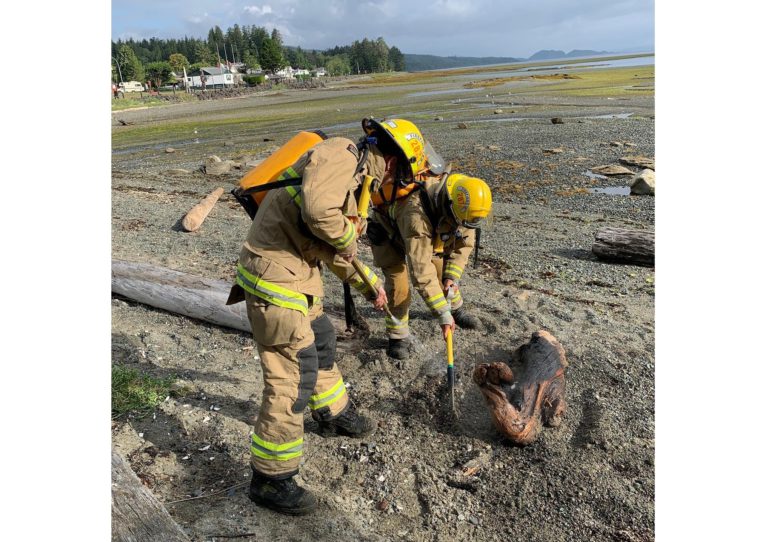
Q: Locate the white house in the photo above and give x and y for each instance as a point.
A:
(319, 72)
(212, 77)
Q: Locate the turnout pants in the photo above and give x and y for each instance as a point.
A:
(392, 262)
(297, 360)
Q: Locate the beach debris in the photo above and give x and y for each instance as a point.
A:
(644, 183)
(438, 118)
(625, 246)
(639, 161)
(170, 150)
(216, 166)
(611, 170)
(498, 112)
(529, 392)
(194, 218)
(556, 150)
(461, 125)
(557, 120)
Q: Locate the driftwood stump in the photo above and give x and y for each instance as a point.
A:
(137, 516)
(529, 393)
(625, 246)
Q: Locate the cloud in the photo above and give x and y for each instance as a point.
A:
(256, 10)
(442, 27)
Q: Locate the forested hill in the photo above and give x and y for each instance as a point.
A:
(417, 63)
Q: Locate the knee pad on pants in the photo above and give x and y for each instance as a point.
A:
(325, 341)
(307, 376)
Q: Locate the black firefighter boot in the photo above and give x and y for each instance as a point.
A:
(282, 495)
(398, 348)
(348, 423)
(465, 320)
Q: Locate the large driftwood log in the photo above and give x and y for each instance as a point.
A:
(174, 291)
(201, 298)
(625, 246)
(137, 516)
(529, 392)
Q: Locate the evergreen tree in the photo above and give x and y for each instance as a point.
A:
(129, 64)
(203, 54)
(396, 59)
(271, 55)
(251, 61)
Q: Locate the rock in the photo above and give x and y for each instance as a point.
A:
(438, 118)
(616, 144)
(498, 112)
(219, 168)
(252, 163)
(461, 125)
(612, 170)
(556, 150)
(170, 150)
(557, 120)
(644, 183)
(639, 161)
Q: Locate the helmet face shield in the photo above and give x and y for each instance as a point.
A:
(435, 162)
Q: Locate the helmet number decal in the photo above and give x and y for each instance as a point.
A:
(462, 200)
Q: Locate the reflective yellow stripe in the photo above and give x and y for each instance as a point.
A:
(272, 293)
(437, 301)
(347, 238)
(454, 271)
(295, 194)
(456, 298)
(276, 452)
(328, 397)
(391, 324)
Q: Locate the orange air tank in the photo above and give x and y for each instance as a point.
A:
(271, 168)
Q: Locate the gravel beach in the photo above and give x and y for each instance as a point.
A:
(590, 479)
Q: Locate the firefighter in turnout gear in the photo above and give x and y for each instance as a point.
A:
(424, 218)
(295, 230)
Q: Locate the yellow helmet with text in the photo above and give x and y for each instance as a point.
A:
(470, 199)
(405, 135)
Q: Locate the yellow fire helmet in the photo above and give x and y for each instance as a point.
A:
(470, 199)
(405, 135)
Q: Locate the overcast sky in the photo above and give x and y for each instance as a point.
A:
(516, 28)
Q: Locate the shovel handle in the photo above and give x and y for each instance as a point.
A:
(359, 268)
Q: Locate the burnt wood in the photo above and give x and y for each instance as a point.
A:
(529, 392)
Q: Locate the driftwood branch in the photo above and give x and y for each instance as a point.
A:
(136, 515)
(194, 218)
(625, 246)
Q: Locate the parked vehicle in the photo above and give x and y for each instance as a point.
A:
(131, 86)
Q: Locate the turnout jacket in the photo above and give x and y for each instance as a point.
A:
(297, 228)
(421, 238)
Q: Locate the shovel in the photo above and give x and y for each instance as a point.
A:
(359, 268)
(451, 381)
